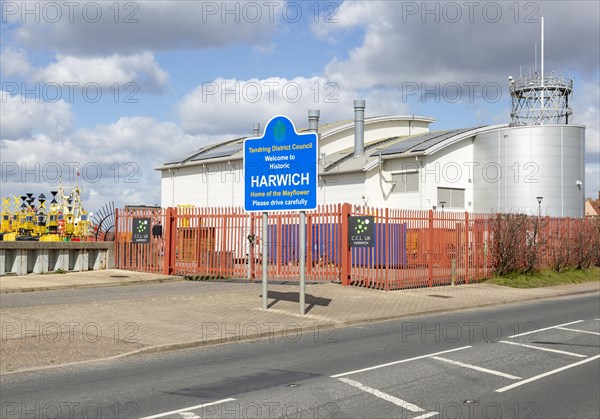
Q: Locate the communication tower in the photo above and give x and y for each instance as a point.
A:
(540, 99)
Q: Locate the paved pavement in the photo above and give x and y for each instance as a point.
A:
(155, 313)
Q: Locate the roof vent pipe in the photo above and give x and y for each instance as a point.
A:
(359, 128)
(256, 129)
(313, 120)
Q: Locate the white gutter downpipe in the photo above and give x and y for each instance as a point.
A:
(172, 187)
(359, 128)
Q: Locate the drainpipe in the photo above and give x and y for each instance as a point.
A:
(256, 129)
(393, 182)
(359, 128)
(172, 187)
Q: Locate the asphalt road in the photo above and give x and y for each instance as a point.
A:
(534, 360)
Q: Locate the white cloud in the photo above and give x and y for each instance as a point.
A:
(141, 69)
(592, 180)
(116, 161)
(101, 28)
(403, 42)
(231, 106)
(407, 45)
(586, 111)
(14, 61)
(21, 117)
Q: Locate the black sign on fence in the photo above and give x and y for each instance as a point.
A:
(361, 231)
(141, 230)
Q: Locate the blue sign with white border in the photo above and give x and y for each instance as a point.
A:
(280, 169)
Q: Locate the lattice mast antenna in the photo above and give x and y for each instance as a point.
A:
(541, 99)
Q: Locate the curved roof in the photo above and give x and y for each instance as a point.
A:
(396, 147)
(392, 147)
(233, 149)
(334, 128)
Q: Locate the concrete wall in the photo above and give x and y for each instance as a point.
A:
(22, 258)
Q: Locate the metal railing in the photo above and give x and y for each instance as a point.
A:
(411, 248)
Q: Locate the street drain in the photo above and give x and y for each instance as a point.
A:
(119, 276)
(438, 296)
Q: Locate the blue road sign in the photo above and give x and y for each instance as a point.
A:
(280, 169)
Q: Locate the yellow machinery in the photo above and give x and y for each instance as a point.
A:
(65, 218)
(82, 228)
(52, 222)
(5, 224)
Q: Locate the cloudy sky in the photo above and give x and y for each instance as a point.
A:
(112, 89)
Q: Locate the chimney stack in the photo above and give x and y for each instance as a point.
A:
(256, 129)
(313, 120)
(359, 128)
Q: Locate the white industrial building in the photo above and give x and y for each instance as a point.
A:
(398, 162)
(534, 164)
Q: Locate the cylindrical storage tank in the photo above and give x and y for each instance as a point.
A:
(513, 166)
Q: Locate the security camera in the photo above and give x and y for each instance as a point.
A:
(578, 183)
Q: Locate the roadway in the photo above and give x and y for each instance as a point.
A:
(526, 360)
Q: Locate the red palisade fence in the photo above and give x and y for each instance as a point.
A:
(412, 248)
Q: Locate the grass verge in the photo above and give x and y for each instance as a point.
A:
(547, 278)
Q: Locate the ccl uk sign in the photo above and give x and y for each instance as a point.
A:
(280, 169)
(141, 230)
(361, 231)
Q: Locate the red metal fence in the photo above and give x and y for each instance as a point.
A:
(412, 248)
(422, 248)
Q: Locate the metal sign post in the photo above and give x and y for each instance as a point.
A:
(265, 259)
(302, 256)
(280, 174)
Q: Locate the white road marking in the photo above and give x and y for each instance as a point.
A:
(389, 398)
(537, 377)
(544, 349)
(577, 330)
(426, 415)
(200, 406)
(475, 367)
(398, 362)
(545, 328)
